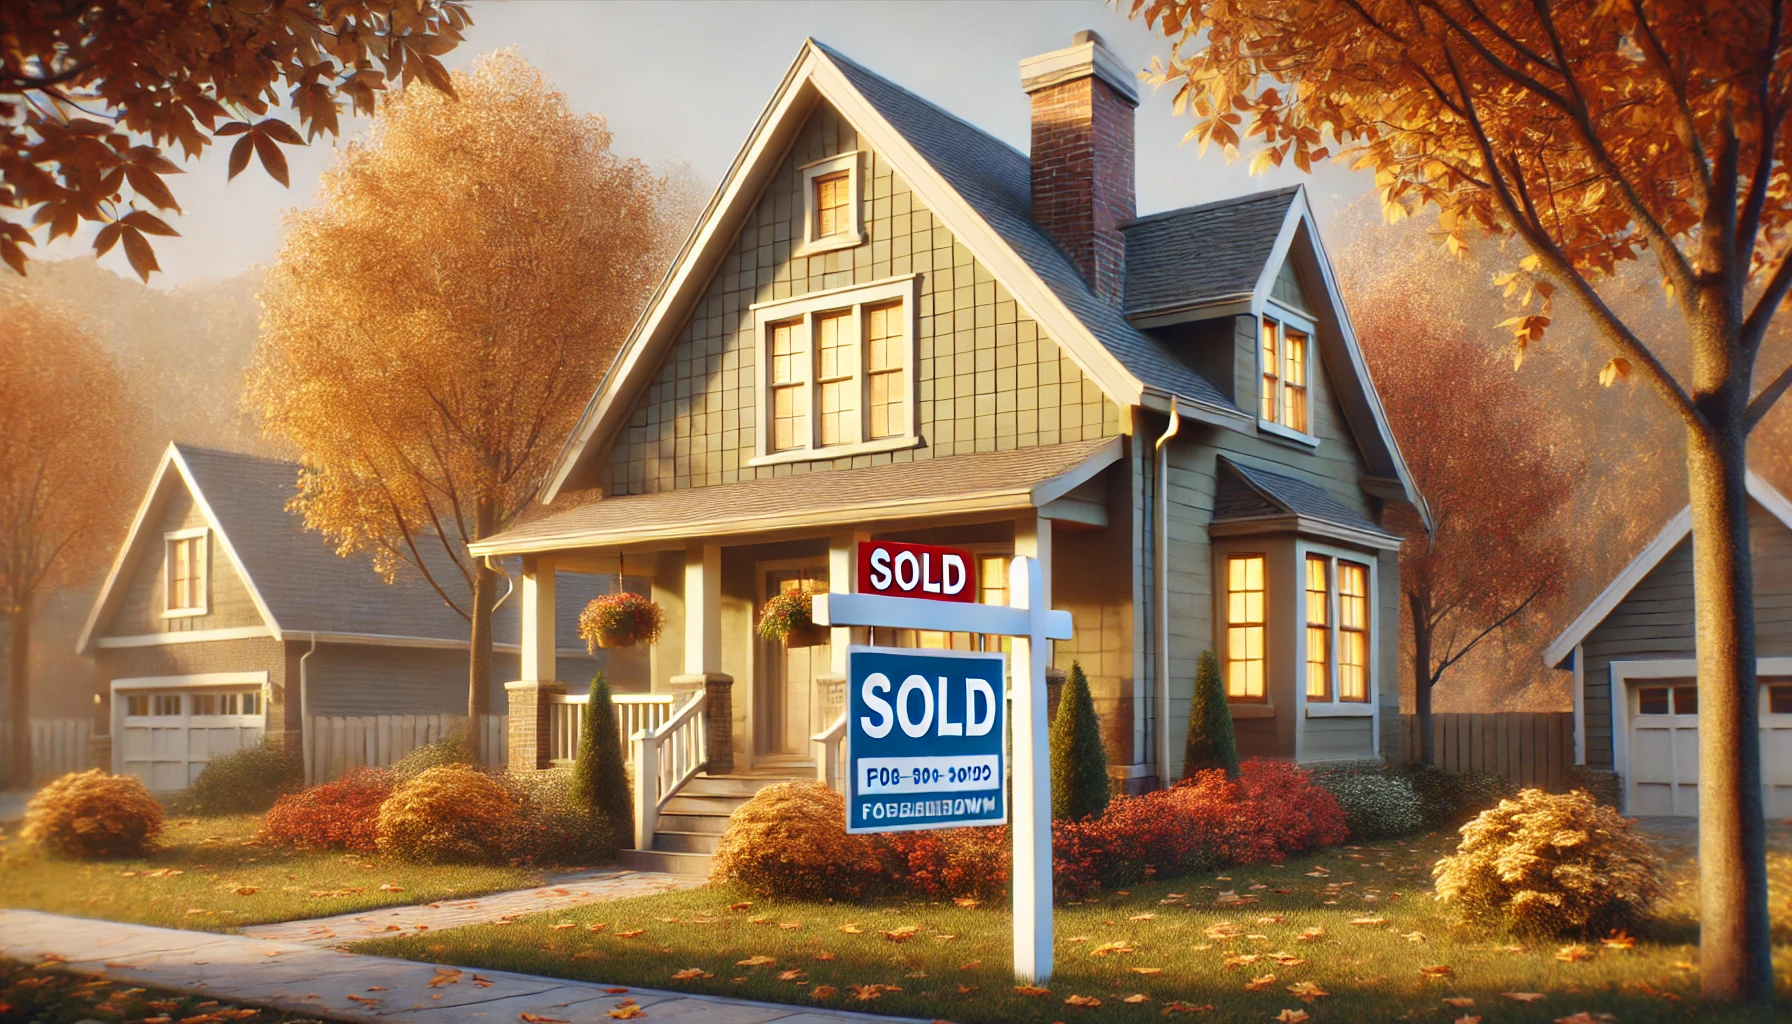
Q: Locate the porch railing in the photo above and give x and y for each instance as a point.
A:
(666, 757)
(634, 712)
(830, 746)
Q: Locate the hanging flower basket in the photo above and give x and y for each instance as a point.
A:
(785, 619)
(620, 620)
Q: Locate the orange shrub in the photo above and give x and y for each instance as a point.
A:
(451, 814)
(790, 841)
(91, 815)
(339, 815)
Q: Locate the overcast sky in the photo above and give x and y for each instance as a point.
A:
(686, 81)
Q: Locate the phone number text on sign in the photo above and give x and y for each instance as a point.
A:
(880, 775)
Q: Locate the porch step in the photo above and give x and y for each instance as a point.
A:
(671, 863)
(686, 842)
(694, 820)
(712, 824)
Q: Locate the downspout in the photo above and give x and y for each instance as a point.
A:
(511, 589)
(305, 710)
(1162, 547)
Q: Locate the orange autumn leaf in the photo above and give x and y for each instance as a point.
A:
(758, 960)
(1458, 1002)
(691, 974)
(1435, 971)
(823, 992)
(629, 1012)
(1087, 1002)
(1292, 1016)
(532, 1018)
(1306, 991)
(636, 933)
(1137, 997)
(1260, 983)
(1619, 940)
(1146, 970)
(1031, 990)
(1523, 997)
(1574, 954)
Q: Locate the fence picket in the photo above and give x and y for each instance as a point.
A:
(1529, 748)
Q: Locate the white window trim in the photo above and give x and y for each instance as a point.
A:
(1336, 707)
(853, 235)
(1286, 317)
(806, 307)
(204, 570)
(1622, 700)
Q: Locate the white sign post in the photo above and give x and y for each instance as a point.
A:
(1031, 624)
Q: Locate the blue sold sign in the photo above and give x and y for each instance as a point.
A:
(924, 739)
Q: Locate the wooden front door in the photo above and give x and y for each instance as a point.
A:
(786, 701)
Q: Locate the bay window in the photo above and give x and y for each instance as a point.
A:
(1245, 623)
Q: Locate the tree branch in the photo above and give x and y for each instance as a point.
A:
(1748, 226)
(1684, 122)
(1762, 403)
(1485, 633)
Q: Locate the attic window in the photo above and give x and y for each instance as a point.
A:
(833, 215)
(1286, 360)
(184, 573)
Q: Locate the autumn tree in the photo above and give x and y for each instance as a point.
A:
(434, 324)
(65, 432)
(1493, 475)
(1592, 130)
(92, 94)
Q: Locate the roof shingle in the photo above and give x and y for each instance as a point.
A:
(1203, 254)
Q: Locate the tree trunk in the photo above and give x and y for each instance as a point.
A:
(1734, 952)
(1421, 678)
(479, 655)
(18, 710)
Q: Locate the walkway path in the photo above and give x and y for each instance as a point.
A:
(570, 891)
(350, 987)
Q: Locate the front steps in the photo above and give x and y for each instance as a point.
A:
(693, 821)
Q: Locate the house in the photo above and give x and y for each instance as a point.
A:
(1632, 652)
(223, 620)
(889, 324)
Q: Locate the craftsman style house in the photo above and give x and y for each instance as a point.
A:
(889, 324)
(224, 621)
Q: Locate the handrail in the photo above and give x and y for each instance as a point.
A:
(666, 758)
(827, 756)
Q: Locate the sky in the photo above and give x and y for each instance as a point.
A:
(684, 82)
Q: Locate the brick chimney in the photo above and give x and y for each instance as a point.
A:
(1083, 100)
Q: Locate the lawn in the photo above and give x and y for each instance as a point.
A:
(210, 875)
(1352, 934)
(42, 995)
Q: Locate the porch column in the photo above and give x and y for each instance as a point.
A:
(703, 652)
(530, 698)
(1033, 537)
(843, 578)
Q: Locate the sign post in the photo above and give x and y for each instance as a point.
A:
(907, 748)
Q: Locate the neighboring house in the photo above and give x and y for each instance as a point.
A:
(222, 617)
(1632, 652)
(888, 323)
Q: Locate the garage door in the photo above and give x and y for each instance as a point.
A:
(169, 735)
(1664, 746)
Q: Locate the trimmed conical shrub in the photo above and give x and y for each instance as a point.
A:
(598, 782)
(1210, 740)
(1079, 764)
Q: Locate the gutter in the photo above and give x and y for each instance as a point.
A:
(1162, 549)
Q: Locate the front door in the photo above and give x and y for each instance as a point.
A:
(785, 690)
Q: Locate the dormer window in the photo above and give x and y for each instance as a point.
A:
(832, 209)
(1285, 360)
(837, 373)
(184, 572)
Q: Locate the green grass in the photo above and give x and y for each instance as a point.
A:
(957, 964)
(42, 995)
(201, 875)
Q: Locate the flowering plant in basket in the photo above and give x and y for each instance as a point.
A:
(787, 618)
(620, 620)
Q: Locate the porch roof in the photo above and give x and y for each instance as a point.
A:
(949, 485)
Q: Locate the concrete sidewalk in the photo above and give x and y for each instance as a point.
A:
(350, 987)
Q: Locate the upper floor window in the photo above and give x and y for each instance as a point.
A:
(832, 213)
(838, 375)
(1245, 606)
(184, 572)
(1285, 360)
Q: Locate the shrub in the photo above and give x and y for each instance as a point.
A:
(620, 620)
(454, 813)
(1080, 785)
(790, 841)
(1447, 799)
(247, 781)
(960, 862)
(1211, 743)
(597, 782)
(452, 749)
(551, 826)
(1377, 803)
(91, 815)
(339, 815)
(1605, 785)
(1556, 864)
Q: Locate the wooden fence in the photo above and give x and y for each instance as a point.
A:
(1530, 748)
(58, 746)
(340, 745)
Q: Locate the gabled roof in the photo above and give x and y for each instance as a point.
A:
(1203, 255)
(299, 584)
(1676, 530)
(1260, 497)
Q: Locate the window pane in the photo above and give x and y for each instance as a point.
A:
(832, 194)
(1294, 378)
(1652, 700)
(1271, 365)
(1319, 637)
(884, 363)
(1353, 632)
(1779, 699)
(1244, 632)
(136, 705)
(1686, 700)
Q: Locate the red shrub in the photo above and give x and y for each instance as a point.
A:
(953, 862)
(340, 815)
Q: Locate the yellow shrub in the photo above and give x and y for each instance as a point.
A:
(790, 840)
(454, 813)
(1558, 864)
(92, 815)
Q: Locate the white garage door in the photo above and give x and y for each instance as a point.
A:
(169, 735)
(1664, 746)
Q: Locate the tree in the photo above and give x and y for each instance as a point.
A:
(1592, 131)
(434, 325)
(1211, 742)
(1494, 548)
(83, 85)
(65, 443)
(598, 783)
(1080, 786)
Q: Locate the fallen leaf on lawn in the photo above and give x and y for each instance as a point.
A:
(537, 1019)
(1241, 959)
(902, 934)
(1508, 949)
(1176, 1006)
(389, 887)
(562, 926)
(756, 961)
(597, 927)
(691, 974)
(1468, 1018)
(970, 966)
(1319, 873)
(1078, 938)
(866, 993)
(1369, 922)
(1574, 954)
(915, 974)
(1313, 934)
(631, 934)
(1306, 991)
(1523, 997)
(790, 926)
(1434, 971)
(1271, 919)
(1414, 936)
(1136, 998)
(965, 990)
(1117, 946)
(246, 890)
(1085, 1001)
(444, 976)
(1583, 1017)
(1683, 965)
(1031, 990)
(1143, 917)
(1619, 940)
(967, 902)
(1146, 970)
(823, 992)
(1291, 1016)
(740, 906)
(852, 929)
(944, 938)
(1260, 983)
(794, 974)
(629, 1012)
(1459, 1002)
(1223, 930)
(1287, 960)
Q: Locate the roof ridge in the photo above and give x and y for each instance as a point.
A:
(1212, 204)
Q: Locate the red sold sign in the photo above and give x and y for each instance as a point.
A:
(926, 571)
